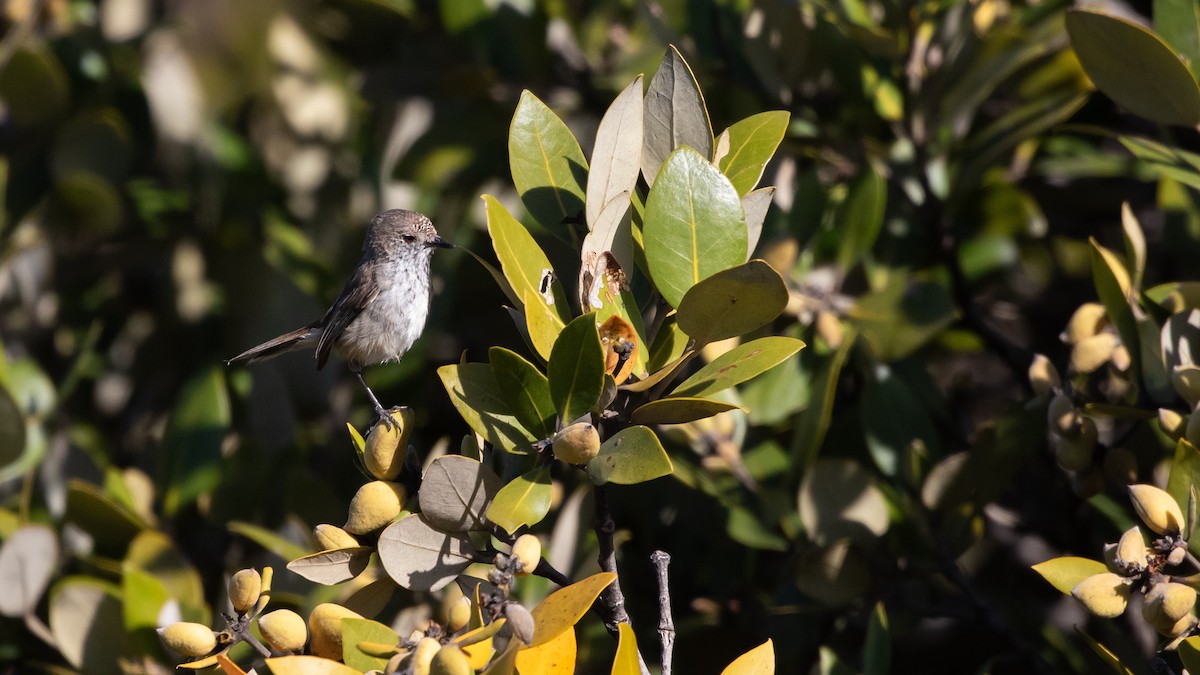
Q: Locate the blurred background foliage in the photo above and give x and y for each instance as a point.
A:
(184, 179)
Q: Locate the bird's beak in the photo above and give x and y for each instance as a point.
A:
(440, 243)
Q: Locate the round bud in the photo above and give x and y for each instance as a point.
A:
(1156, 508)
(1087, 320)
(1176, 556)
(325, 626)
(1172, 423)
(374, 505)
(1043, 376)
(1180, 627)
(385, 446)
(450, 660)
(1121, 359)
(1091, 353)
(1131, 549)
(528, 550)
(1062, 416)
(284, 630)
(1105, 594)
(577, 443)
(188, 639)
(330, 537)
(422, 658)
(1170, 601)
(520, 621)
(244, 588)
(460, 614)
(1075, 454)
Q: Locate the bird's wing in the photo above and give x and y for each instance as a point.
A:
(354, 298)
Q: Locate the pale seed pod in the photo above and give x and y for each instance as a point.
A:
(450, 660)
(188, 639)
(1176, 555)
(1105, 594)
(1075, 454)
(1120, 466)
(577, 443)
(1043, 376)
(460, 614)
(244, 589)
(1173, 601)
(330, 537)
(1121, 359)
(1180, 627)
(1063, 418)
(520, 621)
(1131, 549)
(1172, 423)
(830, 329)
(528, 550)
(1087, 320)
(374, 505)
(386, 446)
(284, 630)
(422, 658)
(325, 627)
(1091, 353)
(1156, 508)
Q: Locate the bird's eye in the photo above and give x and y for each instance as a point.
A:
(409, 238)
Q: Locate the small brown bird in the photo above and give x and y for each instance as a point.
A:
(382, 309)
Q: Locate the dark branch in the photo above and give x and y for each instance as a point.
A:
(612, 601)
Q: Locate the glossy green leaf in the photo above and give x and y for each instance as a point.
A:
(477, 398)
(860, 217)
(269, 540)
(524, 264)
(542, 323)
(738, 365)
(616, 155)
(1066, 572)
(421, 558)
(111, 525)
(732, 302)
(752, 143)
(548, 167)
(632, 455)
(357, 631)
(674, 115)
(192, 445)
(1145, 75)
(668, 346)
(694, 224)
(576, 369)
(877, 655)
(525, 500)
(1177, 22)
(680, 409)
(525, 388)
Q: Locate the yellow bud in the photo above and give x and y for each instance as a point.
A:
(188, 639)
(1176, 556)
(1085, 322)
(330, 537)
(374, 505)
(1179, 627)
(521, 622)
(1075, 454)
(450, 660)
(1170, 600)
(284, 630)
(385, 449)
(422, 658)
(577, 443)
(1062, 416)
(325, 626)
(1105, 594)
(1043, 376)
(460, 614)
(1172, 423)
(528, 550)
(244, 588)
(1156, 508)
(1131, 549)
(1091, 353)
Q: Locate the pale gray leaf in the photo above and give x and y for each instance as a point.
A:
(420, 558)
(617, 152)
(456, 492)
(27, 563)
(755, 205)
(674, 115)
(334, 566)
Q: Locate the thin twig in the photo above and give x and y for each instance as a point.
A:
(612, 600)
(666, 625)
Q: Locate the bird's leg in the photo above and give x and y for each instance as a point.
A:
(384, 416)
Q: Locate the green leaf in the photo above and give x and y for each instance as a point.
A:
(1189, 654)
(192, 445)
(1177, 22)
(477, 398)
(674, 115)
(627, 661)
(156, 554)
(144, 597)
(521, 259)
(877, 655)
(524, 501)
(749, 529)
(1066, 572)
(1184, 474)
(814, 421)
(12, 431)
(732, 302)
(860, 217)
(893, 418)
(1106, 655)
(525, 388)
(111, 525)
(617, 153)
(1115, 288)
(87, 621)
(280, 546)
(902, 317)
(752, 143)
(738, 365)
(576, 369)
(1144, 75)
(694, 225)
(357, 631)
(677, 410)
(548, 167)
(632, 455)
(839, 500)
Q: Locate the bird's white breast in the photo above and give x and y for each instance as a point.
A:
(391, 322)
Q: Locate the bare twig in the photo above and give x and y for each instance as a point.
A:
(666, 625)
(612, 600)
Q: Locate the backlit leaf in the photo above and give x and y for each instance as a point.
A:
(525, 500)
(192, 445)
(357, 631)
(738, 365)
(732, 302)
(757, 661)
(752, 143)
(477, 398)
(632, 455)
(525, 388)
(626, 662)
(1066, 572)
(548, 167)
(564, 608)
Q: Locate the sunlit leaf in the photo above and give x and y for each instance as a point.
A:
(632, 455)
(840, 500)
(28, 560)
(738, 365)
(564, 608)
(524, 264)
(626, 662)
(420, 558)
(732, 302)
(308, 665)
(87, 620)
(357, 631)
(332, 567)
(477, 398)
(192, 445)
(456, 492)
(674, 115)
(548, 167)
(1066, 572)
(617, 153)
(155, 553)
(526, 389)
(556, 657)
(752, 143)
(576, 369)
(280, 546)
(525, 500)
(757, 661)
(755, 205)
(677, 410)
(901, 317)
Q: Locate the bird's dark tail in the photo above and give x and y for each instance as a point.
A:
(287, 342)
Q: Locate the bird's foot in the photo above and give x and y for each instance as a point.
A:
(385, 417)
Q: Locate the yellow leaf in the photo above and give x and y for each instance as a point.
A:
(757, 661)
(506, 663)
(563, 608)
(556, 657)
(626, 660)
(308, 665)
(229, 667)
